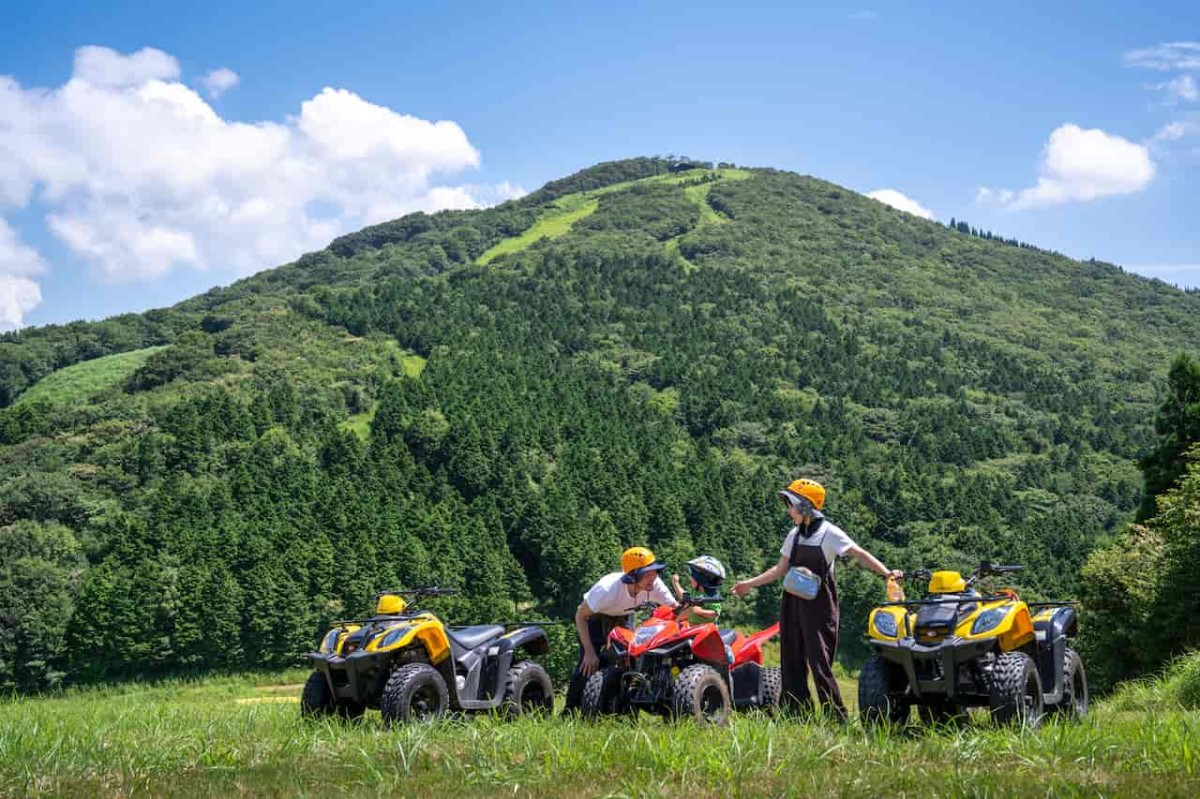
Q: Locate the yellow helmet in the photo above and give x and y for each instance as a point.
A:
(811, 490)
(636, 561)
(390, 605)
(947, 583)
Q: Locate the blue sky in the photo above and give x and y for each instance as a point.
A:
(134, 178)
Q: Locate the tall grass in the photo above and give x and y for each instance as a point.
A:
(239, 736)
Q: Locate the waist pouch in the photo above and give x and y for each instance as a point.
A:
(801, 582)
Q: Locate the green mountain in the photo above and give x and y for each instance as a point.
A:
(501, 400)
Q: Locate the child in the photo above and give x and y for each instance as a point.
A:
(707, 574)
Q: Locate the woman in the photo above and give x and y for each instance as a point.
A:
(808, 628)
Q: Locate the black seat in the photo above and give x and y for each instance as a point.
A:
(729, 636)
(471, 637)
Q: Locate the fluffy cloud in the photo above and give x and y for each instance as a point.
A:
(1079, 165)
(137, 174)
(1183, 88)
(900, 202)
(219, 81)
(1174, 131)
(1168, 57)
(19, 293)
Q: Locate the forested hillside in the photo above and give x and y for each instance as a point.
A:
(502, 400)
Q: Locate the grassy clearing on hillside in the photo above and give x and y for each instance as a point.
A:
(79, 382)
(238, 736)
(569, 209)
(558, 220)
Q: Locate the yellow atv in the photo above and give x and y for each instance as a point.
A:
(958, 648)
(405, 662)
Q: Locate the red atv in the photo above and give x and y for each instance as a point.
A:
(680, 670)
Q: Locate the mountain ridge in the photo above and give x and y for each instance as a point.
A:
(412, 404)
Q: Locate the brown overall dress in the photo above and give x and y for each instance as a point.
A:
(808, 629)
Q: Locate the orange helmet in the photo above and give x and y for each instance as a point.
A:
(806, 489)
(636, 561)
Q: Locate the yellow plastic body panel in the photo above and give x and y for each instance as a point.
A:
(1014, 631)
(390, 605)
(341, 639)
(946, 582)
(898, 614)
(426, 629)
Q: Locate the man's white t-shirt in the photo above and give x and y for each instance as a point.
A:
(610, 597)
(833, 540)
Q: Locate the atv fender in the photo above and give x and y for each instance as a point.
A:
(751, 651)
(487, 668)
(428, 632)
(1053, 626)
(532, 639)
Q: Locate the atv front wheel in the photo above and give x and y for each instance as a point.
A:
(316, 699)
(528, 691)
(1074, 702)
(772, 688)
(1015, 690)
(701, 695)
(414, 692)
(603, 696)
(877, 694)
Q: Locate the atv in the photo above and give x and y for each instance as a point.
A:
(682, 671)
(956, 649)
(405, 662)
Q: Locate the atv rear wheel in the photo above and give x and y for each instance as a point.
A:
(772, 688)
(701, 695)
(878, 699)
(528, 691)
(603, 695)
(1074, 702)
(316, 699)
(1015, 690)
(414, 692)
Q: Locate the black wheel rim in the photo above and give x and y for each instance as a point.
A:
(424, 702)
(533, 698)
(712, 705)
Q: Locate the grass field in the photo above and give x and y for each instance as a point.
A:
(79, 382)
(570, 208)
(242, 736)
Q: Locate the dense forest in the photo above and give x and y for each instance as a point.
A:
(501, 400)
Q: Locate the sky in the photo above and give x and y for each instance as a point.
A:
(149, 152)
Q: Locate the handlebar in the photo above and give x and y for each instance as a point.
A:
(427, 591)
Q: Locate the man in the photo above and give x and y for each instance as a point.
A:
(606, 605)
(808, 628)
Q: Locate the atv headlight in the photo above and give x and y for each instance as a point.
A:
(885, 625)
(393, 635)
(988, 620)
(646, 634)
(329, 642)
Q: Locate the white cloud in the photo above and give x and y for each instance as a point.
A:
(864, 16)
(1174, 131)
(1167, 57)
(900, 202)
(1080, 165)
(137, 174)
(1182, 88)
(219, 81)
(101, 66)
(19, 293)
